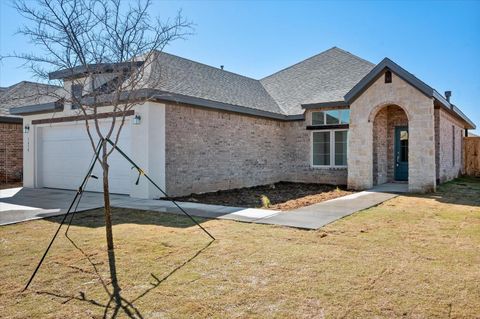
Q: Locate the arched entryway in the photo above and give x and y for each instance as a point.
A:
(390, 145)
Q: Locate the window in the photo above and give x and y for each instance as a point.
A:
(329, 148)
(340, 148)
(453, 145)
(318, 118)
(403, 146)
(321, 148)
(77, 91)
(331, 117)
(388, 76)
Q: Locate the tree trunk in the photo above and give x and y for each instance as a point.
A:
(106, 198)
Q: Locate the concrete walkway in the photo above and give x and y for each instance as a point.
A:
(22, 204)
(321, 214)
(318, 215)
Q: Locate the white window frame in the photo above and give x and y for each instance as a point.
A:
(332, 149)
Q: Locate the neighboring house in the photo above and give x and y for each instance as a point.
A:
(11, 128)
(333, 118)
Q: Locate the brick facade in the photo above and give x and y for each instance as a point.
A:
(209, 150)
(298, 148)
(11, 152)
(449, 134)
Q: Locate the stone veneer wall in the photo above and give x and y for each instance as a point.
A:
(209, 150)
(420, 113)
(448, 167)
(11, 152)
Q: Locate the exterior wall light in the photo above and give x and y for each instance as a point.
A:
(26, 129)
(136, 119)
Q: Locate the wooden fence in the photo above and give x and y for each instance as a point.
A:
(472, 156)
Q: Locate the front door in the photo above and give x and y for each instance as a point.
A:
(401, 153)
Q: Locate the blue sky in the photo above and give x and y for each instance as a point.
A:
(437, 41)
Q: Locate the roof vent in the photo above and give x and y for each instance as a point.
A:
(448, 94)
(221, 67)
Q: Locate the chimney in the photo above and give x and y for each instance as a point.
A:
(448, 94)
(221, 67)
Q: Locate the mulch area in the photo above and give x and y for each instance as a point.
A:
(282, 195)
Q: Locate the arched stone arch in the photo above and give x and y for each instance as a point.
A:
(379, 107)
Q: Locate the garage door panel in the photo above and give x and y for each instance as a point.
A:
(65, 153)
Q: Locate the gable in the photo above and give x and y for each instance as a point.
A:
(378, 71)
(388, 65)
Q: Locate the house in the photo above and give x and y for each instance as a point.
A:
(333, 118)
(11, 128)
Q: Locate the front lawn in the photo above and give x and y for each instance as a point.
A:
(412, 256)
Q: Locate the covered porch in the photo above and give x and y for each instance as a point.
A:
(390, 145)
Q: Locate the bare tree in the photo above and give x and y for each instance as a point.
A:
(101, 52)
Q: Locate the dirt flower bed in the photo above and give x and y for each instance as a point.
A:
(278, 196)
(10, 185)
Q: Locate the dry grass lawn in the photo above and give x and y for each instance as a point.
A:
(412, 257)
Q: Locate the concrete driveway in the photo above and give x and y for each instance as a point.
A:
(22, 204)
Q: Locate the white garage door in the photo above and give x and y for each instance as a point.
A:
(64, 153)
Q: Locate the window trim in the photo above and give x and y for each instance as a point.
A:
(332, 149)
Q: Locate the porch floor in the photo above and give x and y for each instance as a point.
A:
(397, 188)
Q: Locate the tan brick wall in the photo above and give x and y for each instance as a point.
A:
(448, 153)
(11, 152)
(380, 147)
(299, 157)
(208, 150)
(420, 113)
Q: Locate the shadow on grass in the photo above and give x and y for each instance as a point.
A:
(94, 218)
(460, 191)
(117, 305)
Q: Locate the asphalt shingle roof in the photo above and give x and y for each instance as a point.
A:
(182, 76)
(325, 77)
(24, 93)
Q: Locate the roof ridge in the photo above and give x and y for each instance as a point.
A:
(354, 55)
(204, 64)
(334, 48)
